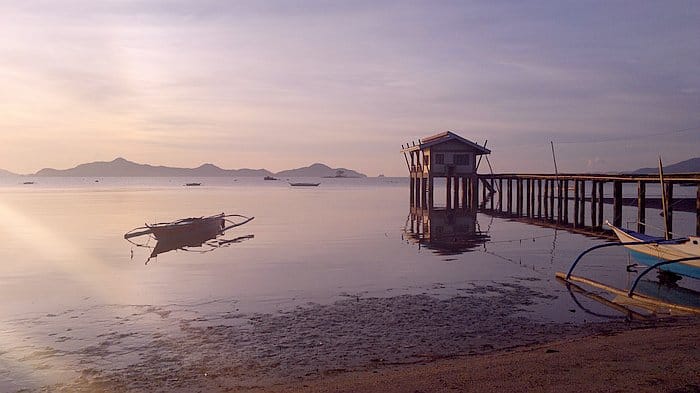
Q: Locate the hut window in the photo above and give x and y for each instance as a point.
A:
(439, 159)
(461, 159)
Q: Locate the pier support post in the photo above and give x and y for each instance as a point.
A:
(669, 203)
(566, 201)
(576, 203)
(528, 196)
(424, 192)
(431, 187)
(448, 192)
(617, 203)
(519, 196)
(641, 206)
(474, 181)
(510, 196)
(500, 195)
(412, 187)
(470, 198)
(601, 201)
(594, 204)
(416, 191)
(582, 206)
(545, 200)
(456, 192)
(551, 200)
(560, 195)
(697, 212)
(539, 198)
(532, 196)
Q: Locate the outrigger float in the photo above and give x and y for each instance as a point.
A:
(188, 232)
(679, 256)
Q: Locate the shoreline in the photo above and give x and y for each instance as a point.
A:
(662, 357)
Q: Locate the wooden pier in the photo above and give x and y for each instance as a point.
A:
(547, 198)
(570, 200)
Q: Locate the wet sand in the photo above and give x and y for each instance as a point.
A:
(238, 351)
(403, 344)
(657, 359)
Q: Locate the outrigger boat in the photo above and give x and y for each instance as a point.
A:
(201, 232)
(680, 256)
(185, 227)
(652, 251)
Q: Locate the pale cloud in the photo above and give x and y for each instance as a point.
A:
(283, 84)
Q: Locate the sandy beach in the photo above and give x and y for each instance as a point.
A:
(648, 359)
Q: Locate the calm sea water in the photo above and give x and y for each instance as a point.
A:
(78, 300)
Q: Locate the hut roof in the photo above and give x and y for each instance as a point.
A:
(445, 137)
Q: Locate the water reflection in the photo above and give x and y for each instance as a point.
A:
(445, 231)
(652, 299)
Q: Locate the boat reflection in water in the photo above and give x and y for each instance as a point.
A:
(199, 235)
(445, 231)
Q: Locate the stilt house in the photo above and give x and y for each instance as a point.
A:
(445, 155)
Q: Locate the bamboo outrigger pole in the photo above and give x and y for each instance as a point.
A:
(556, 171)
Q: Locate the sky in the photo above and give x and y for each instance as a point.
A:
(283, 84)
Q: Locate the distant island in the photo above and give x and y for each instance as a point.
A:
(121, 167)
(319, 170)
(4, 173)
(690, 165)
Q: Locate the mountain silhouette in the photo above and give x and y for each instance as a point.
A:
(121, 167)
(319, 170)
(4, 173)
(690, 165)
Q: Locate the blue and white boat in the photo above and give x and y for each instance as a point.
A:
(653, 250)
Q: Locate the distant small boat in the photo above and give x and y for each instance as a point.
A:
(193, 184)
(28, 182)
(270, 178)
(304, 184)
(339, 174)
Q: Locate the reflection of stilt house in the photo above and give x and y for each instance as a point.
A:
(445, 155)
(446, 231)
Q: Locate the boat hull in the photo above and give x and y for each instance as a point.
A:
(653, 253)
(206, 226)
(304, 184)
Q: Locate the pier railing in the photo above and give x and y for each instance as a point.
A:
(547, 197)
